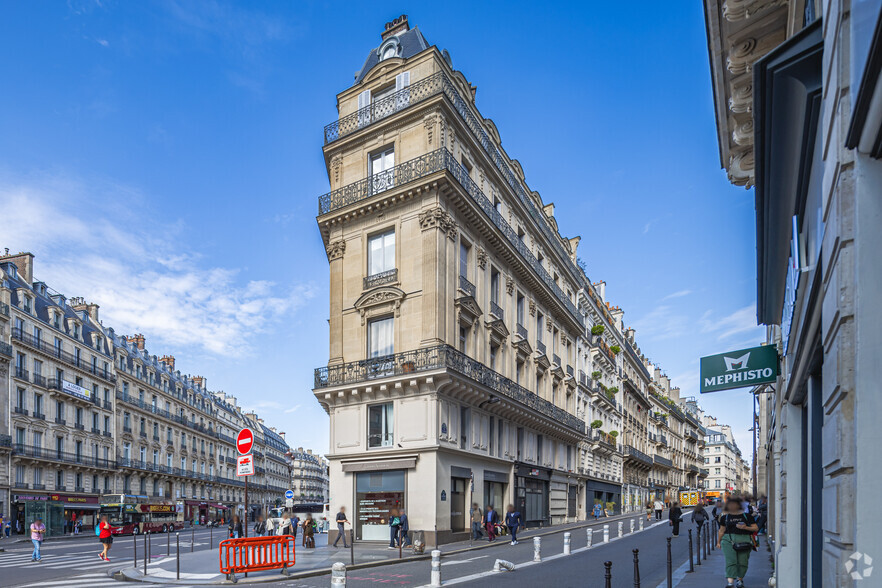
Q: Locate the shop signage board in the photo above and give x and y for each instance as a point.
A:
(244, 441)
(245, 465)
(739, 369)
(75, 390)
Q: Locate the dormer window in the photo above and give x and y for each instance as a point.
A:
(389, 48)
(26, 303)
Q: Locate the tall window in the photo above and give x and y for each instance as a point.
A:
(380, 425)
(382, 174)
(380, 337)
(521, 303)
(494, 286)
(381, 253)
(464, 424)
(540, 326)
(464, 259)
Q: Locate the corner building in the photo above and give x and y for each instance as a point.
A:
(453, 317)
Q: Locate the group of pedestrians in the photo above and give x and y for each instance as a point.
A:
(287, 525)
(488, 520)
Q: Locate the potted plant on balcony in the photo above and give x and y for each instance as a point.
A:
(595, 375)
(596, 424)
(613, 434)
(597, 330)
(615, 349)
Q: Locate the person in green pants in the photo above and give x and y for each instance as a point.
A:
(734, 538)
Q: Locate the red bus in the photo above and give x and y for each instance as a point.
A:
(132, 515)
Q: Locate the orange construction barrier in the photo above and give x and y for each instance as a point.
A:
(254, 554)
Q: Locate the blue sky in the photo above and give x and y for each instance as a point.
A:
(163, 159)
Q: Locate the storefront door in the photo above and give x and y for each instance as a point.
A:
(376, 494)
(458, 504)
(571, 501)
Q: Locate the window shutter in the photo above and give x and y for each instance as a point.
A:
(364, 100)
(402, 81)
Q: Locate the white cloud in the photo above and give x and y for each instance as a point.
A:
(102, 42)
(131, 260)
(679, 294)
(294, 408)
(740, 321)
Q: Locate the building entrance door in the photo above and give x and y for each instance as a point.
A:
(571, 501)
(458, 504)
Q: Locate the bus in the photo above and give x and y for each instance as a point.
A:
(319, 511)
(130, 514)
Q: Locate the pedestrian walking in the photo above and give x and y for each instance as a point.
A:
(674, 516)
(405, 527)
(260, 527)
(477, 520)
(7, 528)
(2, 523)
(491, 519)
(342, 521)
(736, 540)
(285, 525)
(649, 510)
(308, 531)
(717, 509)
(762, 505)
(394, 527)
(295, 524)
(38, 531)
(598, 510)
(270, 527)
(659, 507)
(104, 537)
(235, 528)
(513, 522)
(699, 516)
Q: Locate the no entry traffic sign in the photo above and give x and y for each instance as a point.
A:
(244, 441)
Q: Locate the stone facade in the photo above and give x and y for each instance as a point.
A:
(309, 476)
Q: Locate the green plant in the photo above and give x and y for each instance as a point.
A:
(597, 330)
(615, 349)
(598, 501)
(595, 375)
(596, 424)
(614, 434)
(611, 506)
(614, 390)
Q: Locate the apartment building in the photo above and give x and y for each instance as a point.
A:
(309, 476)
(92, 413)
(453, 318)
(722, 457)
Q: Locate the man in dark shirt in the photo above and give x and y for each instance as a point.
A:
(342, 521)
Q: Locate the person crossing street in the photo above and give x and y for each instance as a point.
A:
(659, 507)
(105, 538)
(513, 521)
(38, 531)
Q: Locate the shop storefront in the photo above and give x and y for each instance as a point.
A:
(376, 494)
(495, 486)
(58, 511)
(460, 487)
(531, 494)
(603, 493)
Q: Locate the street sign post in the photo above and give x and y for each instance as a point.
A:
(289, 502)
(244, 441)
(739, 369)
(289, 494)
(245, 465)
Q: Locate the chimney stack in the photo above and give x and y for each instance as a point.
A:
(136, 340)
(168, 360)
(601, 290)
(24, 261)
(399, 25)
(198, 381)
(282, 435)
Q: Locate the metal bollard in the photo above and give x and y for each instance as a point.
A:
(709, 539)
(640, 521)
(135, 549)
(178, 544)
(606, 533)
(608, 574)
(168, 544)
(589, 533)
(211, 537)
(502, 565)
(566, 543)
(632, 525)
(436, 567)
(700, 541)
(351, 547)
(714, 531)
(636, 568)
(145, 552)
(338, 574)
(537, 549)
(670, 571)
(621, 525)
(691, 567)
(192, 537)
(149, 547)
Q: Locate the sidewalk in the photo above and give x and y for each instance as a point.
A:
(202, 566)
(712, 571)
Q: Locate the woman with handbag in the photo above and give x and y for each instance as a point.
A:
(736, 540)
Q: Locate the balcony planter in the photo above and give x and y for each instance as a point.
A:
(408, 367)
(596, 424)
(615, 349)
(597, 330)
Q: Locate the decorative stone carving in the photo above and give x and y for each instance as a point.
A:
(741, 56)
(438, 218)
(509, 285)
(743, 133)
(482, 258)
(741, 98)
(379, 301)
(549, 325)
(741, 167)
(429, 122)
(735, 10)
(336, 249)
(532, 308)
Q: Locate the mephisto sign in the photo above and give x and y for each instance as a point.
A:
(738, 369)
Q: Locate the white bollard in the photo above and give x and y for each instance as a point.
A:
(640, 520)
(632, 525)
(537, 549)
(502, 565)
(589, 533)
(436, 567)
(621, 524)
(566, 543)
(338, 574)
(606, 533)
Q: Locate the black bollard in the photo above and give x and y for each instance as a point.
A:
(670, 571)
(145, 553)
(168, 544)
(708, 538)
(135, 549)
(149, 547)
(691, 559)
(636, 568)
(608, 574)
(178, 545)
(192, 537)
(700, 543)
(351, 546)
(211, 537)
(714, 540)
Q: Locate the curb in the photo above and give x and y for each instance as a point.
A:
(133, 575)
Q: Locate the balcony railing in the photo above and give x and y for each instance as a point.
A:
(570, 371)
(5, 349)
(540, 347)
(522, 331)
(387, 277)
(430, 163)
(441, 357)
(74, 360)
(466, 286)
(663, 461)
(4, 309)
(497, 311)
(637, 455)
(433, 85)
(40, 380)
(555, 359)
(54, 455)
(21, 373)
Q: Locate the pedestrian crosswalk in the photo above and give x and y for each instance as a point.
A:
(94, 580)
(73, 561)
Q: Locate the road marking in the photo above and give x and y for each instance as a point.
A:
(462, 561)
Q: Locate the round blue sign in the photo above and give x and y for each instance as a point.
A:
(289, 494)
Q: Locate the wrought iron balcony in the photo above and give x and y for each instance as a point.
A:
(555, 359)
(4, 309)
(39, 415)
(637, 455)
(430, 163)
(77, 361)
(40, 453)
(466, 286)
(663, 461)
(5, 349)
(387, 277)
(79, 426)
(40, 380)
(693, 468)
(60, 421)
(540, 347)
(570, 371)
(435, 358)
(521, 331)
(703, 472)
(497, 311)
(20, 410)
(21, 373)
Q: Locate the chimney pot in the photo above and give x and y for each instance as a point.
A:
(399, 25)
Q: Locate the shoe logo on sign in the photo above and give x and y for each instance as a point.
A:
(854, 562)
(736, 363)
